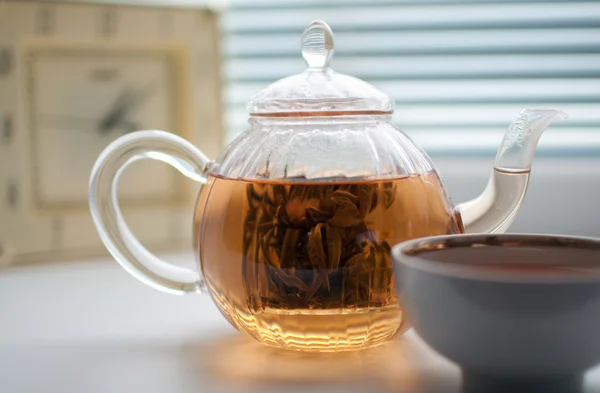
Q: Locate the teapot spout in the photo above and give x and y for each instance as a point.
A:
(520, 140)
(496, 208)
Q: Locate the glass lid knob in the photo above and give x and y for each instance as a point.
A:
(317, 45)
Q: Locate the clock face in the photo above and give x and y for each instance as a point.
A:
(75, 77)
(81, 99)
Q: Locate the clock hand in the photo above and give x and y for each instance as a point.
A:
(117, 111)
(126, 101)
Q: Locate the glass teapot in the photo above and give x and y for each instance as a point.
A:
(295, 220)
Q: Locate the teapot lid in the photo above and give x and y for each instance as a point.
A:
(319, 91)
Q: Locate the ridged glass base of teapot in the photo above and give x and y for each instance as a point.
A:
(327, 330)
(305, 265)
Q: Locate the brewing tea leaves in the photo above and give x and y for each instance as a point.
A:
(314, 242)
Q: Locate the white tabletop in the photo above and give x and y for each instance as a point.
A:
(89, 327)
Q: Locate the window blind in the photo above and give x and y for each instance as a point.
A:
(459, 71)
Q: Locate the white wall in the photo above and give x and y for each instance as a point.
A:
(563, 195)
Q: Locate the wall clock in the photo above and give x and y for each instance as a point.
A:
(74, 77)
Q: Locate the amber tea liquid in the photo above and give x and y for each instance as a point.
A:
(306, 265)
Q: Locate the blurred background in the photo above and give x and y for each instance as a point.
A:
(75, 75)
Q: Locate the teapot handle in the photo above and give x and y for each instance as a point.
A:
(109, 221)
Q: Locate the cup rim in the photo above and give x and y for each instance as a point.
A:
(406, 253)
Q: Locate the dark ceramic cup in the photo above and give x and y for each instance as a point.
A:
(516, 312)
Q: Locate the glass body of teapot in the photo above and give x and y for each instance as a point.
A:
(295, 219)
